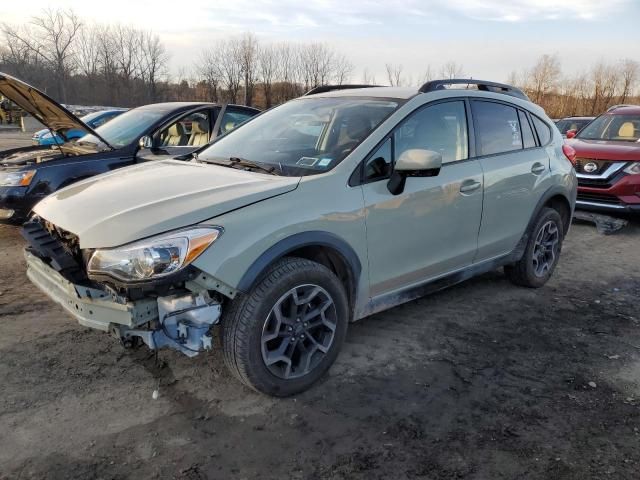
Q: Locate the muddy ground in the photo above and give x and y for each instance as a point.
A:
(482, 381)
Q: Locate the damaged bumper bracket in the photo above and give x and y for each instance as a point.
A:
(183, 320)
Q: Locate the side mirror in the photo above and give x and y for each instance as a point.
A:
(414, 163)
(571, 133)
(419, 162)
(145, 142)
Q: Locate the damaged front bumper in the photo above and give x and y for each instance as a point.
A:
(181, 321)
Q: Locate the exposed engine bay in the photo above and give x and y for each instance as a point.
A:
(37, 154)
(29, 157)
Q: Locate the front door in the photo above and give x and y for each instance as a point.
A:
(431, 228)
(183, 136)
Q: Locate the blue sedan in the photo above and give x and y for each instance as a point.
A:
(94, 120)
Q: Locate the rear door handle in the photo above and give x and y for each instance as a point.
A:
(469, 186)
(538, 168)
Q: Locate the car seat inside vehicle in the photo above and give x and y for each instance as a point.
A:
(174, 136)
(199, 132)
(627, 131)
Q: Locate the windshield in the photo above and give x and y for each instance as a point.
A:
(570, 124)
(126, 128)
(304, 136)
(623, 128)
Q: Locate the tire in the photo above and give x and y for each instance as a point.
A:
(528, 271)
(270, 319)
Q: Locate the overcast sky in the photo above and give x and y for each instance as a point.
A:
(490, 38)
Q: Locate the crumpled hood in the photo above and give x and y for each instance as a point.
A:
(606, 149)
(137, 202)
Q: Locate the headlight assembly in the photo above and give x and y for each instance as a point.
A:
(16, 179)
(633, 169)
(154, 257)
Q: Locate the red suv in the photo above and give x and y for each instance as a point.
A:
(608, 161)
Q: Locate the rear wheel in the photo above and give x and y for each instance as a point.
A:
(542, 252)
(284, 335)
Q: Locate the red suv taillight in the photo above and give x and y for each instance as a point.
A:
(570, 153)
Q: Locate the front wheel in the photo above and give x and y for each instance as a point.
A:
(542, 252)
(284, 335)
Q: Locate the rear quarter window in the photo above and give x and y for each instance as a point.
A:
(542, 129)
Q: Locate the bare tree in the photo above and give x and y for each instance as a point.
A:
(629, 72)
(210, 72)
(268, 63)
(426, 76)
(368, 78)
(154, 62)
(50, 37)
(394, 74)
(544, 76)
(451, 70)
(342, 69)
(248, 48)
(88, 51)
(230, 61)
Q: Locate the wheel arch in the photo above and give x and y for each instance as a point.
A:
(556, 198)
(325, 248)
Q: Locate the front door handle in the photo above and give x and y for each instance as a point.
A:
(538, 168)
(469, 186)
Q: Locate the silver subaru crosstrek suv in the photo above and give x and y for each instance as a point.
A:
(327, 209)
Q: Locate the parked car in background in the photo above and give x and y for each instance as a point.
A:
(321, 211)
(174, 129)
(93, 120)
(573, 124)
(608, 161)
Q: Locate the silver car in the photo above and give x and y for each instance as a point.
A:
(322, 211)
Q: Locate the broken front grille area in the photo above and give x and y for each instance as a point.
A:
(56, 247)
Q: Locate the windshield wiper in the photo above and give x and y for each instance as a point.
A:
(240, 163)
(243, 162)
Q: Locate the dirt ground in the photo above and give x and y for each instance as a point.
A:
(482, 381)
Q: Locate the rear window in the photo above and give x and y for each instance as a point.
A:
(543, 130)
(497, 127)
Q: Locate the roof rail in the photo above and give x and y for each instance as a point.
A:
(613, 107)
(483, 85)
(331, 88)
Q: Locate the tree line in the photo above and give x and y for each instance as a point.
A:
(589, 92)
(79, 62)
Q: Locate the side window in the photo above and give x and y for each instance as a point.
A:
(544, 133)
(528, 139)
(497, 127)
(191, 130)
(441, 127)
(379, 164)
(232, 118)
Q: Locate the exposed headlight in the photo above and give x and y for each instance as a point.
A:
(155, 257)
(633, 169)
(16, 179)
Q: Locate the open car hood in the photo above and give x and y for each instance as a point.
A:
(43, 108)
(155, 197)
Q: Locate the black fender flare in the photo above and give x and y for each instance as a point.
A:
(553, 191)
(294, 242)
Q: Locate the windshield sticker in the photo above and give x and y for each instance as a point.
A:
(324, 162)
(307, 161)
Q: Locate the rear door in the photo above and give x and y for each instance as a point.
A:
(516, 173)
(232, 116)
